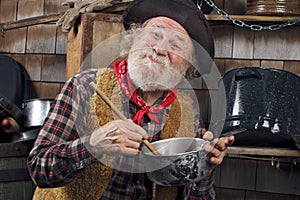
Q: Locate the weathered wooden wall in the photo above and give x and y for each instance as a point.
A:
(258, 179)
(40, 48)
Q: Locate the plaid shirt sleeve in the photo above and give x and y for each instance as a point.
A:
(58, 154)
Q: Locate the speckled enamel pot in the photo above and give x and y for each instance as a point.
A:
(264, 101)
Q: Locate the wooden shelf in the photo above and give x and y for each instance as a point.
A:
(55, 17)
(263, 151)
(30, 21)
(252, 18)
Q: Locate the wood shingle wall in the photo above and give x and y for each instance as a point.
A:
(40, 48)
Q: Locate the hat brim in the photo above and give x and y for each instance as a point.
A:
(186, 13)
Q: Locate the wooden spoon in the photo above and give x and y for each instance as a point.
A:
(120, 115)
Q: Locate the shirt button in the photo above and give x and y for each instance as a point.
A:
(138, 182)
(80, 165)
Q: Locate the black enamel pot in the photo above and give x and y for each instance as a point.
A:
(265, 102)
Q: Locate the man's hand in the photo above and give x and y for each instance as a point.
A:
(118, 136)
(217, 148)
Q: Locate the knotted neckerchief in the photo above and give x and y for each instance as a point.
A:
(121, 70)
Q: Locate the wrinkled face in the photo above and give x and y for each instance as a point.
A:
(159, 56)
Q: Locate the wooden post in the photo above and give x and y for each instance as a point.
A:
(92, 29)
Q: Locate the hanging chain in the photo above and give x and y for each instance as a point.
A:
(240, 23)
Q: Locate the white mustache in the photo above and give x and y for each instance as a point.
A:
(160, 59)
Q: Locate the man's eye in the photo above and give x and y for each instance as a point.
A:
(176, 46)
(155, 35)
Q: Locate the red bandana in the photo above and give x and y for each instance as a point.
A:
(121, 70)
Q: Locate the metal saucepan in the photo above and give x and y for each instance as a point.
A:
(35, 111)
(182, 160)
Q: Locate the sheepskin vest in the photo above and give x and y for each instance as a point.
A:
(91, 184)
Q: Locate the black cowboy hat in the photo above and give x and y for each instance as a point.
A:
(186, 13)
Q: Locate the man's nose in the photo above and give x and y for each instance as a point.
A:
(161, 48)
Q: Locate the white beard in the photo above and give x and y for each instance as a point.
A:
(151, 75)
